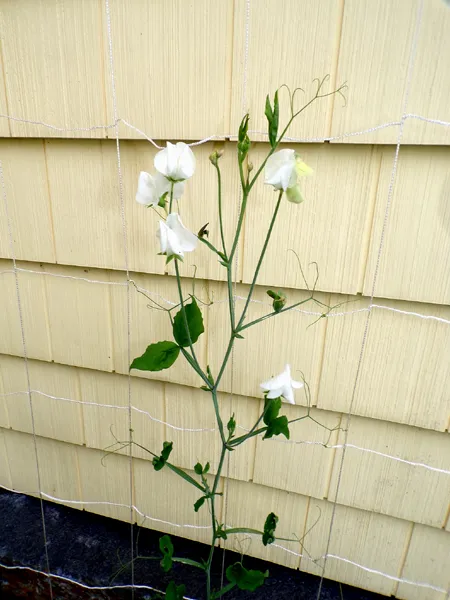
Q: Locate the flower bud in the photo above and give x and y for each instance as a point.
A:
(249, 166)
(214, 156)
(279, 300)
(203, 231)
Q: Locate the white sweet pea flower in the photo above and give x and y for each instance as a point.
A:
(175, 239)
(282, 385)
(176, 161)
(151, 189)
(283, 170)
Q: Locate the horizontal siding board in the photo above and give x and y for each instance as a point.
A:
(53, 60)
(381, 484)
(365, 538)
(331, 228)
(53, 418)
(171, 90)
(28, 202)
(34, 313)
(375, 64)
(403, 363)
(427, 560)
(416, 244)
(281, 464)
(315, 29)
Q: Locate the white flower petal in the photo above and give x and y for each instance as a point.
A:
(146, 193)
(188, 241)
(276, 393)
(281, 385)
(176, 161)
(288, 395)
(279, 169)
(297, 385)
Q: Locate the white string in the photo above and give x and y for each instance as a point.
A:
(27, 373)
(327, 315)
(128, 307)
(411, 60)
(226, 136)
(83, 585)
(214, 429)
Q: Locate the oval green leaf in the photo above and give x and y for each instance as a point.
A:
(157, 357)
(194, 321)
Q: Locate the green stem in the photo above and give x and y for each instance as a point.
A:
(213, 517)
(273, 314)
(188, 333)
(218, 418)
(261, 258)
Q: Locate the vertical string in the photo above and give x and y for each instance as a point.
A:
(236, 267)
(27, 373)
(128, 302)
(411, 61)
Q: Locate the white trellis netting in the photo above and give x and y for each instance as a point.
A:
(128, 283)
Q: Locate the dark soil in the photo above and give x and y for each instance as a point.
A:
(92, 549)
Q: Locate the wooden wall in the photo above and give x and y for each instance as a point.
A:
(61, 188)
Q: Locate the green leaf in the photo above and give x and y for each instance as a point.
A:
(194, 321)
(273, 116)
(269, 529)
(243, 128)
(159, 462)
(206, 469)
(272, 407)
(244, 579)
(231, 426)
(199, 503)
(198, 469)
(166, 547)
(186, 477)
(174, 592)
(157, 357)
(276, 427)
(244, 140)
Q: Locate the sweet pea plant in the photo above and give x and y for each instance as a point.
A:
(282, 170)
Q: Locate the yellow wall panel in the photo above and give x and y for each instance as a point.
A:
(315, 27)
(371, 540)
(375, 64)
(189, 408)
(150, 325)
(79, 318)
(5, 475)
(83, 184)
(427, 561)
(156, 490)
(430, 72)
(248, 506)
(417, 241)
(34, 313)
(404, 374)
(53, 61)
(282, 464)
(177, 83)
(26, 189)
(4, 419)
(380, 484)
(332, 226)
(105, 479)
(58, 467)
(5, 130)
(103, 426)
(53, 418)
(286, 334)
